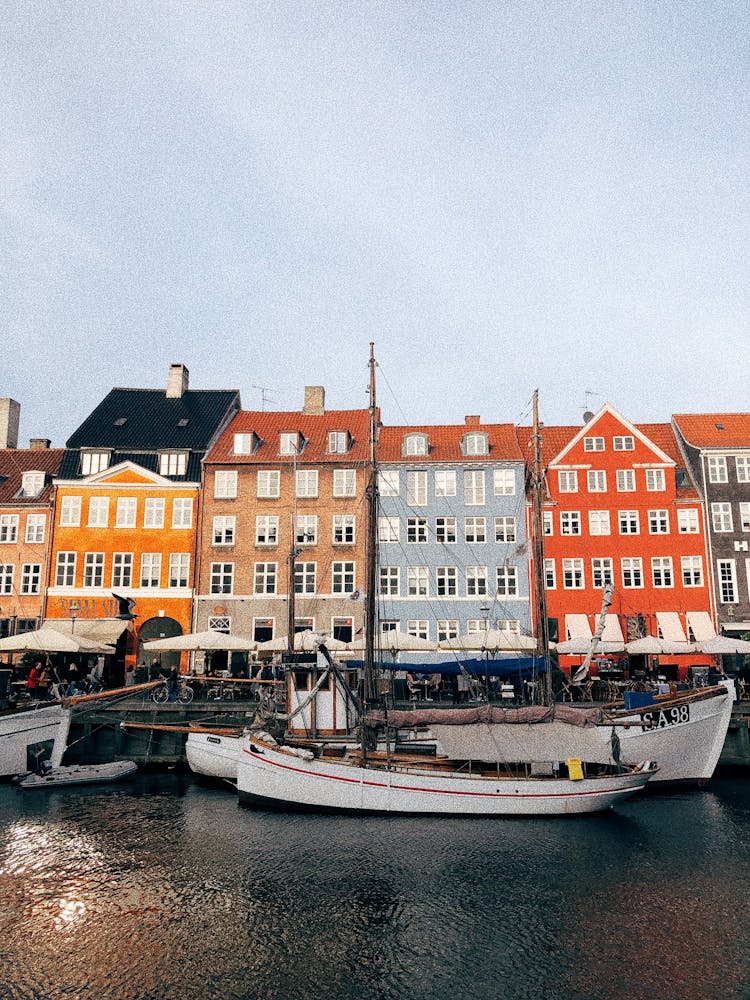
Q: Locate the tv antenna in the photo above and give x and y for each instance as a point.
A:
(586, 406)
(264, 397)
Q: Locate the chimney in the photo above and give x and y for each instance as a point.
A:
(39, 444)
(315, 400)
(178, 380)
(473, 420)
(10, 413)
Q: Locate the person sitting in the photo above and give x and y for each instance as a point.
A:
(32, 682)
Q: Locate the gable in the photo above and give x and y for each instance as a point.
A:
(608, 425)
(127, 473)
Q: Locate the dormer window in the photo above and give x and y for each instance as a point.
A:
(338, 442)
(246, 444)
(415, 444)
(475, 444)
(32, 484)
(290, 443)
(94, 461)
(173, 463)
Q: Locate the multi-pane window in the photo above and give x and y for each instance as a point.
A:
(418, 627)
(504, 482)
(599, 522)
(153, 512)
(179, 569)
(475, 529)
(550, 576)
(474, 487)
(338, 442)
(225, 484)
(70, 513)
(570, 522)
(343, 529)
(505, 529)
(687, 521)
(35, 527)
(126, 512)
(475, 444)
(98, 512)
(717, 469)
(655, 480)
(388, 484)
(342, 576)
(727, 573)
(32, 484)
(593, 444)
(415, 444)
(721, 516)
(632, 572)
(173, 463)
(572, 570)
(182, 512)
(222, 577)
(416, 529)
(223, 532)
(150, 569)
(416, 489)
(304, 577)
(446, 581)
(31, 575)
(65, 569)
(93, 569)
(511, 625)
(742, 464)
(416, 581)
(389, 529)
(268, 484)
(628, 522)
(597, 481)
(243, 444)
(6, 578)
(266, 529)
(692, 571)
(624, 443)
(447, 628)
(306, 529)
(567, 481)
(94, 461)
(658, 522)
(307, 482)
(476, 581)
(389, 581)
(122, 569)
(264, 578)
(507, 581)
(344, 482)
(547, 523)
(625, 480)
(601, 573)
(445, 530)
(745, 516)
(445, 483)
(289, 443)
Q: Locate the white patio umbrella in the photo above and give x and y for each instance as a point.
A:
(196, 642)
(49, 640)
(581, 646)
(650, 645)
(304, 642)
(721, 645)
(492, 641)
(395, 641)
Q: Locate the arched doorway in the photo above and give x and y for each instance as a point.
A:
(158, 628)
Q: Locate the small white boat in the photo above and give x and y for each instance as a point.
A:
(212, 755)
(21, 729)
(78, 774)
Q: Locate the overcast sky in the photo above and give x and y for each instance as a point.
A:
(502, 196)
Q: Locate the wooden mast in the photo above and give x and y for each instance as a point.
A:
(371, 543)
(537, 530)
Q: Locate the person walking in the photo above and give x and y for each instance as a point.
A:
(32, 682)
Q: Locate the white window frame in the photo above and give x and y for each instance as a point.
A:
(445, 482)
(691, 568)
(306, 483)
(36, 527)
(567, 480)
(717, 469)
(475, 530)
(7, 572)
(182, 512)
(389, 581)
(9, 528)
(593, 444)
(504, 482)
(447, 628)
(93, 569)
(626, 480)
(573, 574)
(596, 481)
(225, 484)
(688, 522)
(476, 581)
(70, 512)
(122, 569)
(344, 482)
(127, 512)
(389, 529)
(476, 443)
(173, 463)
(416, 488)
(658, 522)
(627, 519)
(417, 581)
(474, 488)
(93, 462)
(506, 581)
(388, 482)
(599, 523)
(417, 529)
(631, 570)
(624, 442)
(343, 529)
(656, 481)
(570, 522)
(265, 578)
(343, 577)
(742, 468)
(505, 529)
(721, 517)
(153, 512)
(268, 486)
(224, 529)
(306, 529)
(290, 443)
(446, 530)
(446, 581)
(150, 570)
(65, 569)
(243, 444)
(179, 570)
(267, 529)
(550, 575)
(726, 576)
(221, 578)
(32, 483)
(338, 442)
(602, 572)
(305, 577)
(415, 444)
(31, 578)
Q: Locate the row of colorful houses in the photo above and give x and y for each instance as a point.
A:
(208, 516)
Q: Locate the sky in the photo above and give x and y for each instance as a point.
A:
(502, 196)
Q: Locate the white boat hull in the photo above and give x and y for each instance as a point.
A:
(79, 774)
(213, 756)
(20, 729)
(277, 777)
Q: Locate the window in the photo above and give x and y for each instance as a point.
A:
(31, 577)
(476, 581)
(343, 578)
(389, 581)
(567, 481)
(727, 573)
(717, 469)
(599, 522)
(596, 480)
(150, 569)
(745, 516)
(570, 522)
(474, 488)
(262, 629)
(475, 529)
(416, 529)
(222, 577)
(418, 627)
(290, 443)
(264, 578)
(306, 529)
(475, 444)
(388, 529)
(446, 581)
(225, 484)
(266, 529)
(655, 480)
(342, 629)
(6, 578)
(742, 464)
(122, 569)
(445, 483)
(625, 443)
(344, 482)
(687, 521)
(94, 461)
(173, 463)
(507, 581)
(415, 444)
(338, 442)
(629, 522)
(547, 523)
(445, 530)
(307, 482)
(416, 581)
(388, 485)
(632, 573)
(550, 577)
(447, 628)
(9, 527)
(511, 625)
(692, 571)
(416, 489)
(93, 569)
(70, 513)
(572, 574)
(343, 529)
(182, 512)
(179, 569)
(32, 484)
(721, 516)
(601, 573)
(153, 512)
(593, 444)
(625, 480)
(505, 529)
(243, 444)
(223, 530)
(304, 577)
(126, 511)
(35, 527)
(658, 522)
(504, 482)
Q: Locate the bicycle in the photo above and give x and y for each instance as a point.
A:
(184, 695)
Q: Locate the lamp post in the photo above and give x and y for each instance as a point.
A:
(74, 607)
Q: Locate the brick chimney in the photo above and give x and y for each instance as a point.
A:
(315, 400)
(10, 414)
(39, 444)
(474, 420)
(178, 380)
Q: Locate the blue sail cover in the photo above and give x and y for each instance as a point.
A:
(510, 668)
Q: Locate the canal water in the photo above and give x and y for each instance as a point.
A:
(166, 888)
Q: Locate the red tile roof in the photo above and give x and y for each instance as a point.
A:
(714, 430)
(15, 461)
(445, 443)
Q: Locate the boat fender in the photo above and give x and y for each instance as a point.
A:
(645, 765)
(301, 753)
(265, 737)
